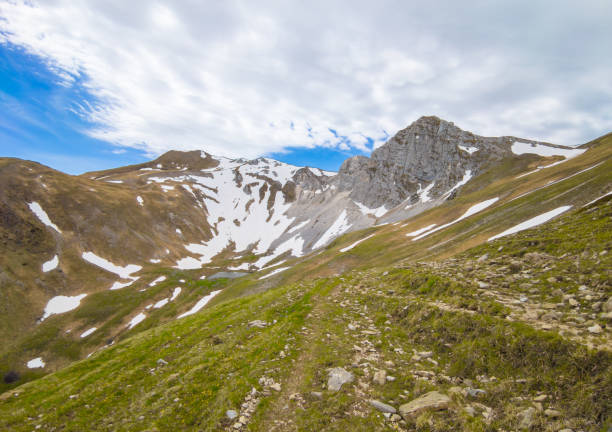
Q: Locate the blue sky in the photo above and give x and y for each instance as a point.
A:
(94, 85)
(39, 123)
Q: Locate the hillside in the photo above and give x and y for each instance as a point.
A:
(510, 334)
(100, 262)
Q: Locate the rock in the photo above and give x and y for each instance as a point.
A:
(552, 413)
(257, 323)
(483, 285)
(338, 377)
(380, 377)
(573, 302)
(472, 392)
(316, 395)
(607, 306)
(483, 258)
(231, 414)
(540, 398)
(526, 418)
(276, 387)
(595, 329)
(382, 407)
(352, 327)
(566, 430)
(434, 401)
(161, 362)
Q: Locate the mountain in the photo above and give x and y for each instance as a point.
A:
(97, 260)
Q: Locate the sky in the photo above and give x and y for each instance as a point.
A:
(88, 85)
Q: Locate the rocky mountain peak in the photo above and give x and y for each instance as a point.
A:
(430, 155)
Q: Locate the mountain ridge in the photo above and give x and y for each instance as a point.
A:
(211, 218)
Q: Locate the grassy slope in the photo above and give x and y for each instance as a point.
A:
(475, 339)
(111, 310)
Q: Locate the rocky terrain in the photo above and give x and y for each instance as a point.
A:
(413, 346)
(449, 279)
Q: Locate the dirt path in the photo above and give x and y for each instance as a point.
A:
(280, 414)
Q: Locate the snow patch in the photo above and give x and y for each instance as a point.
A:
(88, 332)
(188, 263)
(424, 193)
(136, 320)
(272, 273)
(51, 264)
(520, 148)
(377, 212)
(200, 304)
(118, 285)
(42, 215)
(155, 260)
(140, 200)
(36, 363)
(468, 150)
(597, 199)
(158, 280)
(420, 231)
(175, 293)
(471, 211)
(356, 243)
(339, 226)
(122, 272)
(62, 304)
(161, 303)
(298, 226)
(466, 177)
(530, 223)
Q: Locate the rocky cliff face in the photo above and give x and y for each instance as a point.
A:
(424, 161)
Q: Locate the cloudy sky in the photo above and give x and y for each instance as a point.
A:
(94, 84)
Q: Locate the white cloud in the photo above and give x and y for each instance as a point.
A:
(217, 75)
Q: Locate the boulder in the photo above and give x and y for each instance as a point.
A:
(381, 406)
(338, 377)
(432, 401)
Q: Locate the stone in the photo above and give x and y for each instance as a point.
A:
(526, 418)
(566, 430)
(161, 362)
(540, 398)
(258, 324)
(607, 306)
(231, 414)
(472, 392)
(338, 377)
(552, 413)
(316, 395)
(433, 401)
(382, 407)
(595, 329)
(276, 387)
(483, 258)
(380, 377)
